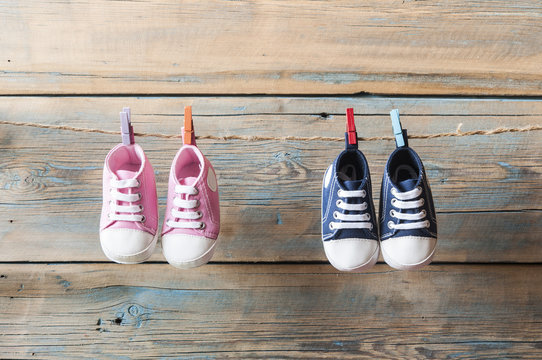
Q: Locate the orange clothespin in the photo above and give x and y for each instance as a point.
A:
(188, 134)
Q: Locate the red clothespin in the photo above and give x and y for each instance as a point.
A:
(188, 130)
(126, 129)
(351, 127)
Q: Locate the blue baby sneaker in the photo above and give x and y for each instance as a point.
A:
(349, 229)
(408, 224)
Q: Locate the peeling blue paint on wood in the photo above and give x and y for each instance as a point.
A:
(73, 167)
(64, 283)
(327, 78)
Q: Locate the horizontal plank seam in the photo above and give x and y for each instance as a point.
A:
(357, 95)
(458, 132)
(270, 263)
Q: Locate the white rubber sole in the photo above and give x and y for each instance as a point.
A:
(363, 267)
(135, 258)
(407, 267)
(202, 260)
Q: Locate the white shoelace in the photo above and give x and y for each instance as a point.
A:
(351, 221)
(185, 204)
(125, 212)
(404, 200)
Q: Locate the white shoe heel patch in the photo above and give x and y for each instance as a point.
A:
(327, 176)
(211, 179)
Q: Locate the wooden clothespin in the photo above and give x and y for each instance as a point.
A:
(188, 129)
(351, 134)
(126, 129)
(401, 137)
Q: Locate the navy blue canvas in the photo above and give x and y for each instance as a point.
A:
(349, 171)
(405, 172)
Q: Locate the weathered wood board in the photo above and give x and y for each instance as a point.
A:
(269, 311)
(270, 69)
(486, 188)
(272, 47)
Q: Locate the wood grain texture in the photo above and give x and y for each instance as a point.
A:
(269, 311)
(486, 188)
(273, 47)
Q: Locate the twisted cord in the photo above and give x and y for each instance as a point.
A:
(457, 132)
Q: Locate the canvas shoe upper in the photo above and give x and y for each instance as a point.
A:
(192, 219)
(349, 231)
(408, 225)
(129, 219)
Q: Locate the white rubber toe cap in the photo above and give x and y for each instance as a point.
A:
(127, 246)
(408, 252)
(187, 251)
(352, 254)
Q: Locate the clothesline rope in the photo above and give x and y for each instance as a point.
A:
(457, 132)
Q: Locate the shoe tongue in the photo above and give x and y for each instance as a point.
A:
(407, 185)
(189, 181)
(125, 174)
(352, 185)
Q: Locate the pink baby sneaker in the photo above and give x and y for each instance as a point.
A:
(129, 221)
(192, 219)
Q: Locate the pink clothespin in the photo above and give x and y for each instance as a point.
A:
(126, 129)
(351, 127)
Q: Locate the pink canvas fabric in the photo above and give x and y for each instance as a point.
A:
(206, 184)
(117, 164)
(131, 241)
(190, 231)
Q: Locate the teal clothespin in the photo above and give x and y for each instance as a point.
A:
(401, 138)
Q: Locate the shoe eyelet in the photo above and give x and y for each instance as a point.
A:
(371, 227)
(197, 191)
(423, 201)
(200, 214)
(391, 225)
(202, 226)
(140, 196)
(143, 219)
(364, 206)
(331, 227)
(424, 212)
(393, 201)
(392, 213)
(339, 193)
(138, 183)
(339, 203)
(419, 188)
(393, 191)
(197, 203)
(140, 207)
(363, 193)
(427, 224)
(335, 215)
(368, 217)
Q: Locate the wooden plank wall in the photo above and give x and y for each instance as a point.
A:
(271, 69)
